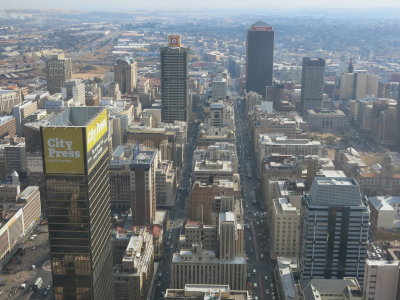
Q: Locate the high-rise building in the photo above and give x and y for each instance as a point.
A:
(334, 230)
(133, 183)
(397, 138)
(75, 165)
(174, 81)
(58, 71)
(74, 89)
(125, 72)
(312, 84)
(260, 57)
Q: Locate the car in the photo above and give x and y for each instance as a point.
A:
(34, 248)
(267, 291)
(254, 271)
(33, 267)
(45, 292)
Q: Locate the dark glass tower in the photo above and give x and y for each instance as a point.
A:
(312, 84)
(260, 58)
(75, 155)
(174, 81)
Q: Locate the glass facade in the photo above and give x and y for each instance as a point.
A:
(80, 232)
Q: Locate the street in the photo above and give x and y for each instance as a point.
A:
(260, 268)
(177, 215)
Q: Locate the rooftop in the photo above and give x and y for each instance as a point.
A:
(75, 116)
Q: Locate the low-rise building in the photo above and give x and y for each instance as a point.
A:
(385, 212)
(206, 291)
(20, 217)
(327, 120)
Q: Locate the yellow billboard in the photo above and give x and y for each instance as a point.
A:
(63, 150)
(96, 129)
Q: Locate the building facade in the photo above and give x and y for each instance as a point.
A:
(174, 81)
(260, 58)
(58, 71)
(125, 73)
(75, 163)
(334, 230)
(312, 84)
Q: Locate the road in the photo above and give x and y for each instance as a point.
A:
(257, 231)
(177, 215)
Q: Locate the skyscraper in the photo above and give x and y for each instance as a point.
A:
(397, 138)
(260, 58)
(58, 71)
(125, 72)
(312, 84)
(75, 164)
(174, 81)
(334, 230)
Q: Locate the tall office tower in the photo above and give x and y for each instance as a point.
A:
(75, 155)
(74, 89)
(58, 71)
(334, 230)
(312, 84)
(174, 81)
(260, 58)
(125, 73)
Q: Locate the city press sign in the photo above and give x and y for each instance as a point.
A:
(96, 129)
(63, 150)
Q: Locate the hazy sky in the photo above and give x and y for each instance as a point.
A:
(132, 5)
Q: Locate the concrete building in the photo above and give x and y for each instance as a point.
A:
(207, 171)
(7, 126)
(383, 128)
(133, 183)
(312, 84)
(15, 156)
(169, 139)
(382, 278)
(74, 89)
(219, 151)
(285, 228)
(58, 71)
(385, 212)
(125, 73)
(9, 99)
(347, 288)
(334, 230)
(218, 89)
(259, 58)
(133, 274)
(175, 81)
(166, 184)
(209, 135)
(281, 144)
(20, 217)
(252, 99)
(199, 266)
(201, 199)
(327, 120)
(278, 167)
(220, 113)
(23, 111)
(206, 291)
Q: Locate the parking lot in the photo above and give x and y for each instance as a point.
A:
(26, 267)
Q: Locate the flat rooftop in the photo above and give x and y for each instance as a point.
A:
(75, 116)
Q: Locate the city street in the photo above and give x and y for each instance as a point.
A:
(260, 268)
(177, 215)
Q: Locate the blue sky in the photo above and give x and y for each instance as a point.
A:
(131, 5)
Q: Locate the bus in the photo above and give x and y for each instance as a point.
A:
(37, 285)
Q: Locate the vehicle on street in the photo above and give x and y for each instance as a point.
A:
(38, 284)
